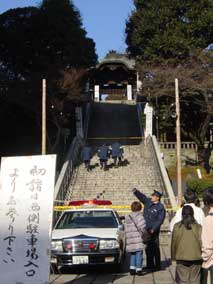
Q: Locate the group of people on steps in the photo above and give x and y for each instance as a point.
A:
(192, 236)
(115, 151)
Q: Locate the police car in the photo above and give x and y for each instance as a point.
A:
(88, 236)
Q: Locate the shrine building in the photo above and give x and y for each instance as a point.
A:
(115, 78)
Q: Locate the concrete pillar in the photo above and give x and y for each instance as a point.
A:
(149, 120)
(79, 122)
(129, 92)
(139, 83)
(97, 93)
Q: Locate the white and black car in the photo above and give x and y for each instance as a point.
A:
(89, 236)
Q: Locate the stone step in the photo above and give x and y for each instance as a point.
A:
(141, 170)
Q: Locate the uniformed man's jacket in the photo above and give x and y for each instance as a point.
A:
(154, 213)
(86, 154)
(103, 152)
(116, 149)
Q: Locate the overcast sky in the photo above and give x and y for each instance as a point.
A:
(104, 20)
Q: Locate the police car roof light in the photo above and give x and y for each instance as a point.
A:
(90, 202)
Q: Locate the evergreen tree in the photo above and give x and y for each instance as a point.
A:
(44, 42)
(38, 42)
(169, 29)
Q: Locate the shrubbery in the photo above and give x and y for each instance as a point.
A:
(199, 185)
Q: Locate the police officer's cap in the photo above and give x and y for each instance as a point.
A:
(157, 193)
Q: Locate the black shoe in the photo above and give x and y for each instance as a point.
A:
(132, 272)
(157, 268)
(140, 273)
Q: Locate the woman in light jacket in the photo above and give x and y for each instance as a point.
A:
(207, 237)
(134, 227)
(186, 247)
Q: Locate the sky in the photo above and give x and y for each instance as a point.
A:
(104, 20)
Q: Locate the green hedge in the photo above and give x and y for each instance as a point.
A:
(199, 185)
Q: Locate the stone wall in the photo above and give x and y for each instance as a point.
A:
(188, 153)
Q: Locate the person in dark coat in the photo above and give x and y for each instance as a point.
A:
(117, 153)
(103, 154)
(154, 215)
(86, 156)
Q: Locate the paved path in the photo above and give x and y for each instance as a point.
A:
(107, 276)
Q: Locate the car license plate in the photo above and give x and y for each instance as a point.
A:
(78, 259)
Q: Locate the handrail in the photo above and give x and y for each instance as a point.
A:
(139, 111)
(86, 120)
(163, 172)
(65, 176)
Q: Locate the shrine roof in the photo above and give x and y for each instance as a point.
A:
(117, 58)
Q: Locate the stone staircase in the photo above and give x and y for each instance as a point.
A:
(118, 122)
(110, 122)
(137, 170)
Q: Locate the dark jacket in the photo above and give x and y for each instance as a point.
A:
(86, 153)
(103, 152)
(117, 150)
(154, 213)
(186, 244)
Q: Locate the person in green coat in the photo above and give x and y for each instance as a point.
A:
(186, 248)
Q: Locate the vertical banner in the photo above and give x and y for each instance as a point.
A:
(26, 209)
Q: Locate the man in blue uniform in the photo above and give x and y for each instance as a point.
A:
(117, 153)
(154, 215)
(103, 154)
(86, 156)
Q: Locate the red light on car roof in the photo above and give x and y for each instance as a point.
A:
(77, 203)
(102, 202)
(90, 202)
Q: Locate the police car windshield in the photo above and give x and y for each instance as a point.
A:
(87, 219)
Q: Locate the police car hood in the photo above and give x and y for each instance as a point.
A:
(97, 233)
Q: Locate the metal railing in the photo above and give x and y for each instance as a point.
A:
(65, 177)
(140, 112)
(87, 120)
(168, 190)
